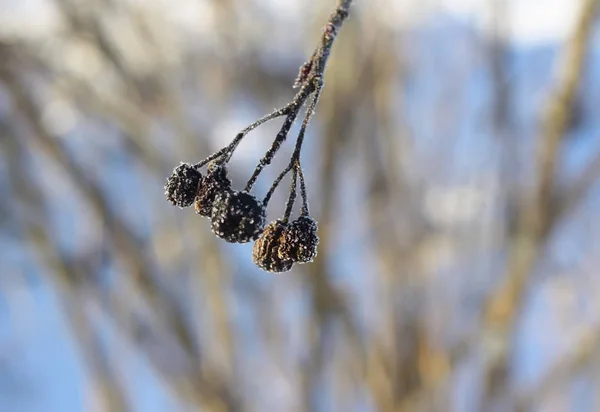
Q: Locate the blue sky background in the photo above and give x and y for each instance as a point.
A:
(41, 369)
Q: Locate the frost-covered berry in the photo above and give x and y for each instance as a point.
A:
(237, 217)
(215, 181)
(299, 240)
(182, 185)
(265, 253)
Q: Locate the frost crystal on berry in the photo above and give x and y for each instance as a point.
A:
(214, 182)
(265, 253)
(182, 185)
(237, 217)
(299, 240)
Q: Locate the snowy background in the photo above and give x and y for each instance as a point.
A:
(423, 149)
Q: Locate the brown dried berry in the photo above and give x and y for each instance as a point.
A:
(237, 217)
(182, 185)
(265, 253)
(215, 181)
(299, 240)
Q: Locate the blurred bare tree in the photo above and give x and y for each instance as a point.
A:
(457, 242)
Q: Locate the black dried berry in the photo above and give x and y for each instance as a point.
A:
(182, 185)
(215, 181)
(265, 253)
(299, 240)
(237, 217)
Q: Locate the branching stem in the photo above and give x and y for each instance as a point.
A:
(310, 81)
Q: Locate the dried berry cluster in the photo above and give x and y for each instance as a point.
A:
(237, 216)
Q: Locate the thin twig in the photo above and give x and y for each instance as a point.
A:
(295, 159)
(291, 198)
(305, 210)
(276, 183)
(228, 150)
(311, 80)
(318, 85)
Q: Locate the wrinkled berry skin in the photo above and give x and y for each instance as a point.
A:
(215, 181)
(299, 240)
(182, 185)
(265, 253)
(237, 217)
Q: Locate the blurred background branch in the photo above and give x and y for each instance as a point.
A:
(534, 220)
